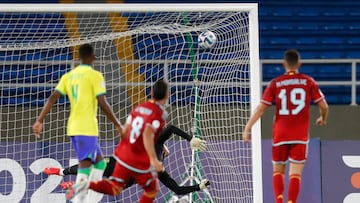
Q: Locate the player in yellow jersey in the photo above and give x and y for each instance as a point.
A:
(85, 88)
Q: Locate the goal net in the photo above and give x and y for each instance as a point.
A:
(212, 92)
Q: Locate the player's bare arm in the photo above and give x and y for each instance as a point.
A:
(37, 127)
(105, 107)
(148, 139)
(126, 127)
(259, 111)
(324, 110)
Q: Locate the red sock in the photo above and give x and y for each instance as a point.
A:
(150, 193)
(278, 184)
(106, 187)
(294, 188)
(146, 199)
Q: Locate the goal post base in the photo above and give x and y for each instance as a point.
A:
(194, 179)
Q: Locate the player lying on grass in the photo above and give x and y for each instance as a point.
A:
(161, 152)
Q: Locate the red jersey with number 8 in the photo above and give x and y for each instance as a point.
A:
(292, 93)
(131, 149)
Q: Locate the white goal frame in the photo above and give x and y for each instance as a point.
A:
(255, 74)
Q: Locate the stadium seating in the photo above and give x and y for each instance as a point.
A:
(318, 29)
(38, 27)
(327, 30)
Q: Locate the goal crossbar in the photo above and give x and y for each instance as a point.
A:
(211, 7)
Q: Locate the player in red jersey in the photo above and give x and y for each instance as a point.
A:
(161, 152)
(292, 93)
(135, 155)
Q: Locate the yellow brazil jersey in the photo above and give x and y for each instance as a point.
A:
(82, 85)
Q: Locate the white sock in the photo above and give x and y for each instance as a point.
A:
(95, 175)
(82, 197)
(61, 172)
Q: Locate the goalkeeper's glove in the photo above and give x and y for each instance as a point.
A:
(197, 143)
(204, 184)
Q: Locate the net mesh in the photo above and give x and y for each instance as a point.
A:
(209, 95)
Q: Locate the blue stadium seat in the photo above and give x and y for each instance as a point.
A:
(353, 40)
(32, 74)
(337, 94)
(27, 96)
(353, 13)
(282, 27)
(271, 54)
(340, 72)
(306, 41)
(153, 72)
(309, 12)
(334, 13)
(271, 71)
(332, 40)
(277, 41)
(308, 27)
(321, 72)
(282, 12)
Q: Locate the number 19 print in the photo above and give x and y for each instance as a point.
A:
(297, 97)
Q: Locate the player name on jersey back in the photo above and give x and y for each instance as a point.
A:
(288, 82)
(143, 110)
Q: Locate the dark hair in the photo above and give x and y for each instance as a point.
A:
(292, 57)
(159, 90)
(86, 51)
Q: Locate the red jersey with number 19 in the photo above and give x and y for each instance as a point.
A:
(131, 152)
(293, 93)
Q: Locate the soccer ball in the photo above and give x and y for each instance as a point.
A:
(207, 39)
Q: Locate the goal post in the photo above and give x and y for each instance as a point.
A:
(213, 91)
(255, 89)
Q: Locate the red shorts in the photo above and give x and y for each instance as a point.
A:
(122, 176)
(296, 153)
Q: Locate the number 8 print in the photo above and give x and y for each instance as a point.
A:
(136, 126)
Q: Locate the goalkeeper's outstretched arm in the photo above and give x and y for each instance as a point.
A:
(165, 134)
(168, 131)
(170, 183)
